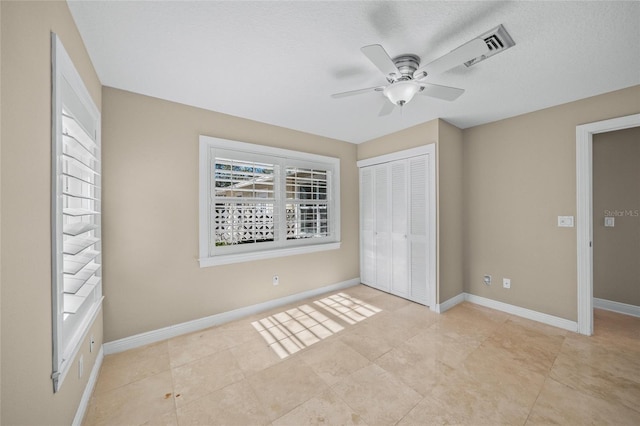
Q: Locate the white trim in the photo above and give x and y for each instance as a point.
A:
(399, 155)
(267, 254)
(584, 211)
(522, 312)
(67, 338)
(621, 308)
(449, 303)
(88, 389)
(432, 226)
(158, 335)
(264, 149)
(82, 331)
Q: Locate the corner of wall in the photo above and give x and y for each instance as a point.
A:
(450, 211)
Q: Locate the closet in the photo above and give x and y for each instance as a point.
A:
(397, 223)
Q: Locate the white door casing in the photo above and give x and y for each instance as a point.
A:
(584, 211)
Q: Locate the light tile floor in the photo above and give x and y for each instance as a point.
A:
(404, 365)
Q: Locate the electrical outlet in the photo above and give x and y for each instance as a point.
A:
(506, 282)
(276, 280)
(487, 279)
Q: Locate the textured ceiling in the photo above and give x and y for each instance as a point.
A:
(279, 62)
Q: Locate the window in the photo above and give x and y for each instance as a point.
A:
(76, 232)
(258, 202)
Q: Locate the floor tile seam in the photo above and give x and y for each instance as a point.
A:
(114, 413)
(401, 380)
(412, 408)
(99, 394)
(187, 404)
(588, 395)
(134, 364)
(210, 392)
(534, 330)
(589, 363)
(198, 358)
(345, 402)
(572, 386)
(314, 395)
(173, 388)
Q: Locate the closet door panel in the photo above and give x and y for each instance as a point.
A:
(367, 233)
(382, 212)
(399, 229)
(418, 220)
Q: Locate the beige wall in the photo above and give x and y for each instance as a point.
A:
(616, 188)
(448, 140)
(27, 389)
(150, 226)
(519, 175)
(450, 208)
(422, 134)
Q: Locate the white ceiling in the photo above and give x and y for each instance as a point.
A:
(279, 62)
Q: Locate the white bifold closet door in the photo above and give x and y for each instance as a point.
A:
(394, 227)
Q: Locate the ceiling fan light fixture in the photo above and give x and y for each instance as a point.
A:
(401, 92)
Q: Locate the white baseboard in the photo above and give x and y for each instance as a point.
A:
(153, 336)
(523, 312)
(88, 390)
(621, 308)
(450, 303)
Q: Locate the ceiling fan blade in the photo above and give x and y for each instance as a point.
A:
(387, 108)
(456, 57)
(441, 92)
(357, 92)
(381, 59)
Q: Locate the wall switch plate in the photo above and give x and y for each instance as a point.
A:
(506, 282)
(565, 221)
(276, 280)
(609, 222)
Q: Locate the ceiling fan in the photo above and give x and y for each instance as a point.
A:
(405, 76)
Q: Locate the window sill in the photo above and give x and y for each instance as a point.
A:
(269, 254)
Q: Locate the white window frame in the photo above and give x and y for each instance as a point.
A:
(70, 327)
(210, 256)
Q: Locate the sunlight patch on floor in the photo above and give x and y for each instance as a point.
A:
(290, 331)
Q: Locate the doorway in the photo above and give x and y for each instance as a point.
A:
(584, 211)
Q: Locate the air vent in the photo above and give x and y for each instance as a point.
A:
(498, 40)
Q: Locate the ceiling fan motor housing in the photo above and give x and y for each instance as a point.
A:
(407, 64)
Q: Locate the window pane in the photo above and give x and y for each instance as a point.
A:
(242, 223)
(244, 179)
(307, 221)
(306, 184)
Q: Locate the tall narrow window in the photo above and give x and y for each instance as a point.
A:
(76, 207)
(258, 202)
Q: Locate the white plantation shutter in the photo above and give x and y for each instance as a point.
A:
(258, 202)
(76, 208)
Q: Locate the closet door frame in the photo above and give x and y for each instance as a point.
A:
(430, 151)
